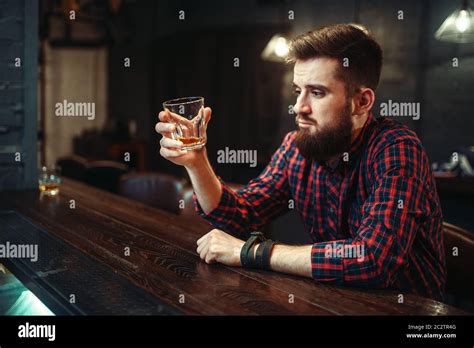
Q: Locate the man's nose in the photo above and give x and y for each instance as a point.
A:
(301, 106)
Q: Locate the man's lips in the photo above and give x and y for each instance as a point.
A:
(304, 124)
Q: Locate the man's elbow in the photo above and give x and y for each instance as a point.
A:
(382, 273)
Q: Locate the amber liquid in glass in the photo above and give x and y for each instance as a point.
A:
(50, 189)
(189, 140)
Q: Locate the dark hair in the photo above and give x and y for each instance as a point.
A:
(341, 41)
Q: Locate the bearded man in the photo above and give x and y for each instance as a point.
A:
(362, 185)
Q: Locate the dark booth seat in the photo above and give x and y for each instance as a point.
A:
(72, 166)
(105, 174)
(155, 189)
(459, 248)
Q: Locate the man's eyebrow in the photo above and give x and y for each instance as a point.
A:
(312, 86)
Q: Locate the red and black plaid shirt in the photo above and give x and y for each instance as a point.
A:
(381, 201)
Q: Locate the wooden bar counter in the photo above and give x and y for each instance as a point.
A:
(156, 252)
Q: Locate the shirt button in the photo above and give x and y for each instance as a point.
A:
(331, 210)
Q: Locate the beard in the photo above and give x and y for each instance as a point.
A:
(328, 141)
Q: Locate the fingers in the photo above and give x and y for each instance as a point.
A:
(164, 128)
(164, 116)
(200, 248)
(210, 258)
(203, 251)
(208, 254)
(203, 238)
(168, 119)
(170, 143)
(169, 147)
(168, 153)
(183, 121)
(204, 244)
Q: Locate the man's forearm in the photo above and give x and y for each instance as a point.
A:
(291, 259)
(206, 185)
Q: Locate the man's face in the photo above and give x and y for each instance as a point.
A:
(322, 108)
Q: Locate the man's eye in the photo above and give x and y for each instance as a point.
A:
(317, 93)
(296, 92)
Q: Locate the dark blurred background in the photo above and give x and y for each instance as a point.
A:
(129, 56)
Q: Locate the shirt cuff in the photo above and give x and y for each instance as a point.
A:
(326, 263)
(224, 210)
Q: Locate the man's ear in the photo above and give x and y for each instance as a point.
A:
(363, 101)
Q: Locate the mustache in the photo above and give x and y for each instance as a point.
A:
(300, 118)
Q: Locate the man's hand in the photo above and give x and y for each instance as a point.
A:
(170, 148)
(218, 246)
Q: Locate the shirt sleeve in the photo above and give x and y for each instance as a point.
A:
(392, 212)
(263, 199)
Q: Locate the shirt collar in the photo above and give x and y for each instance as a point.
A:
(363, 134)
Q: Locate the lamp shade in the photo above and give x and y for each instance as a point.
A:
(458, 27)
(276, 49)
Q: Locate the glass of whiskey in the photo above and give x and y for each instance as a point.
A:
(49, 181)
(188, 115)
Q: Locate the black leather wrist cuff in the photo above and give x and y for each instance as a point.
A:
(247, 258)
(267, 247)
(262, 257)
